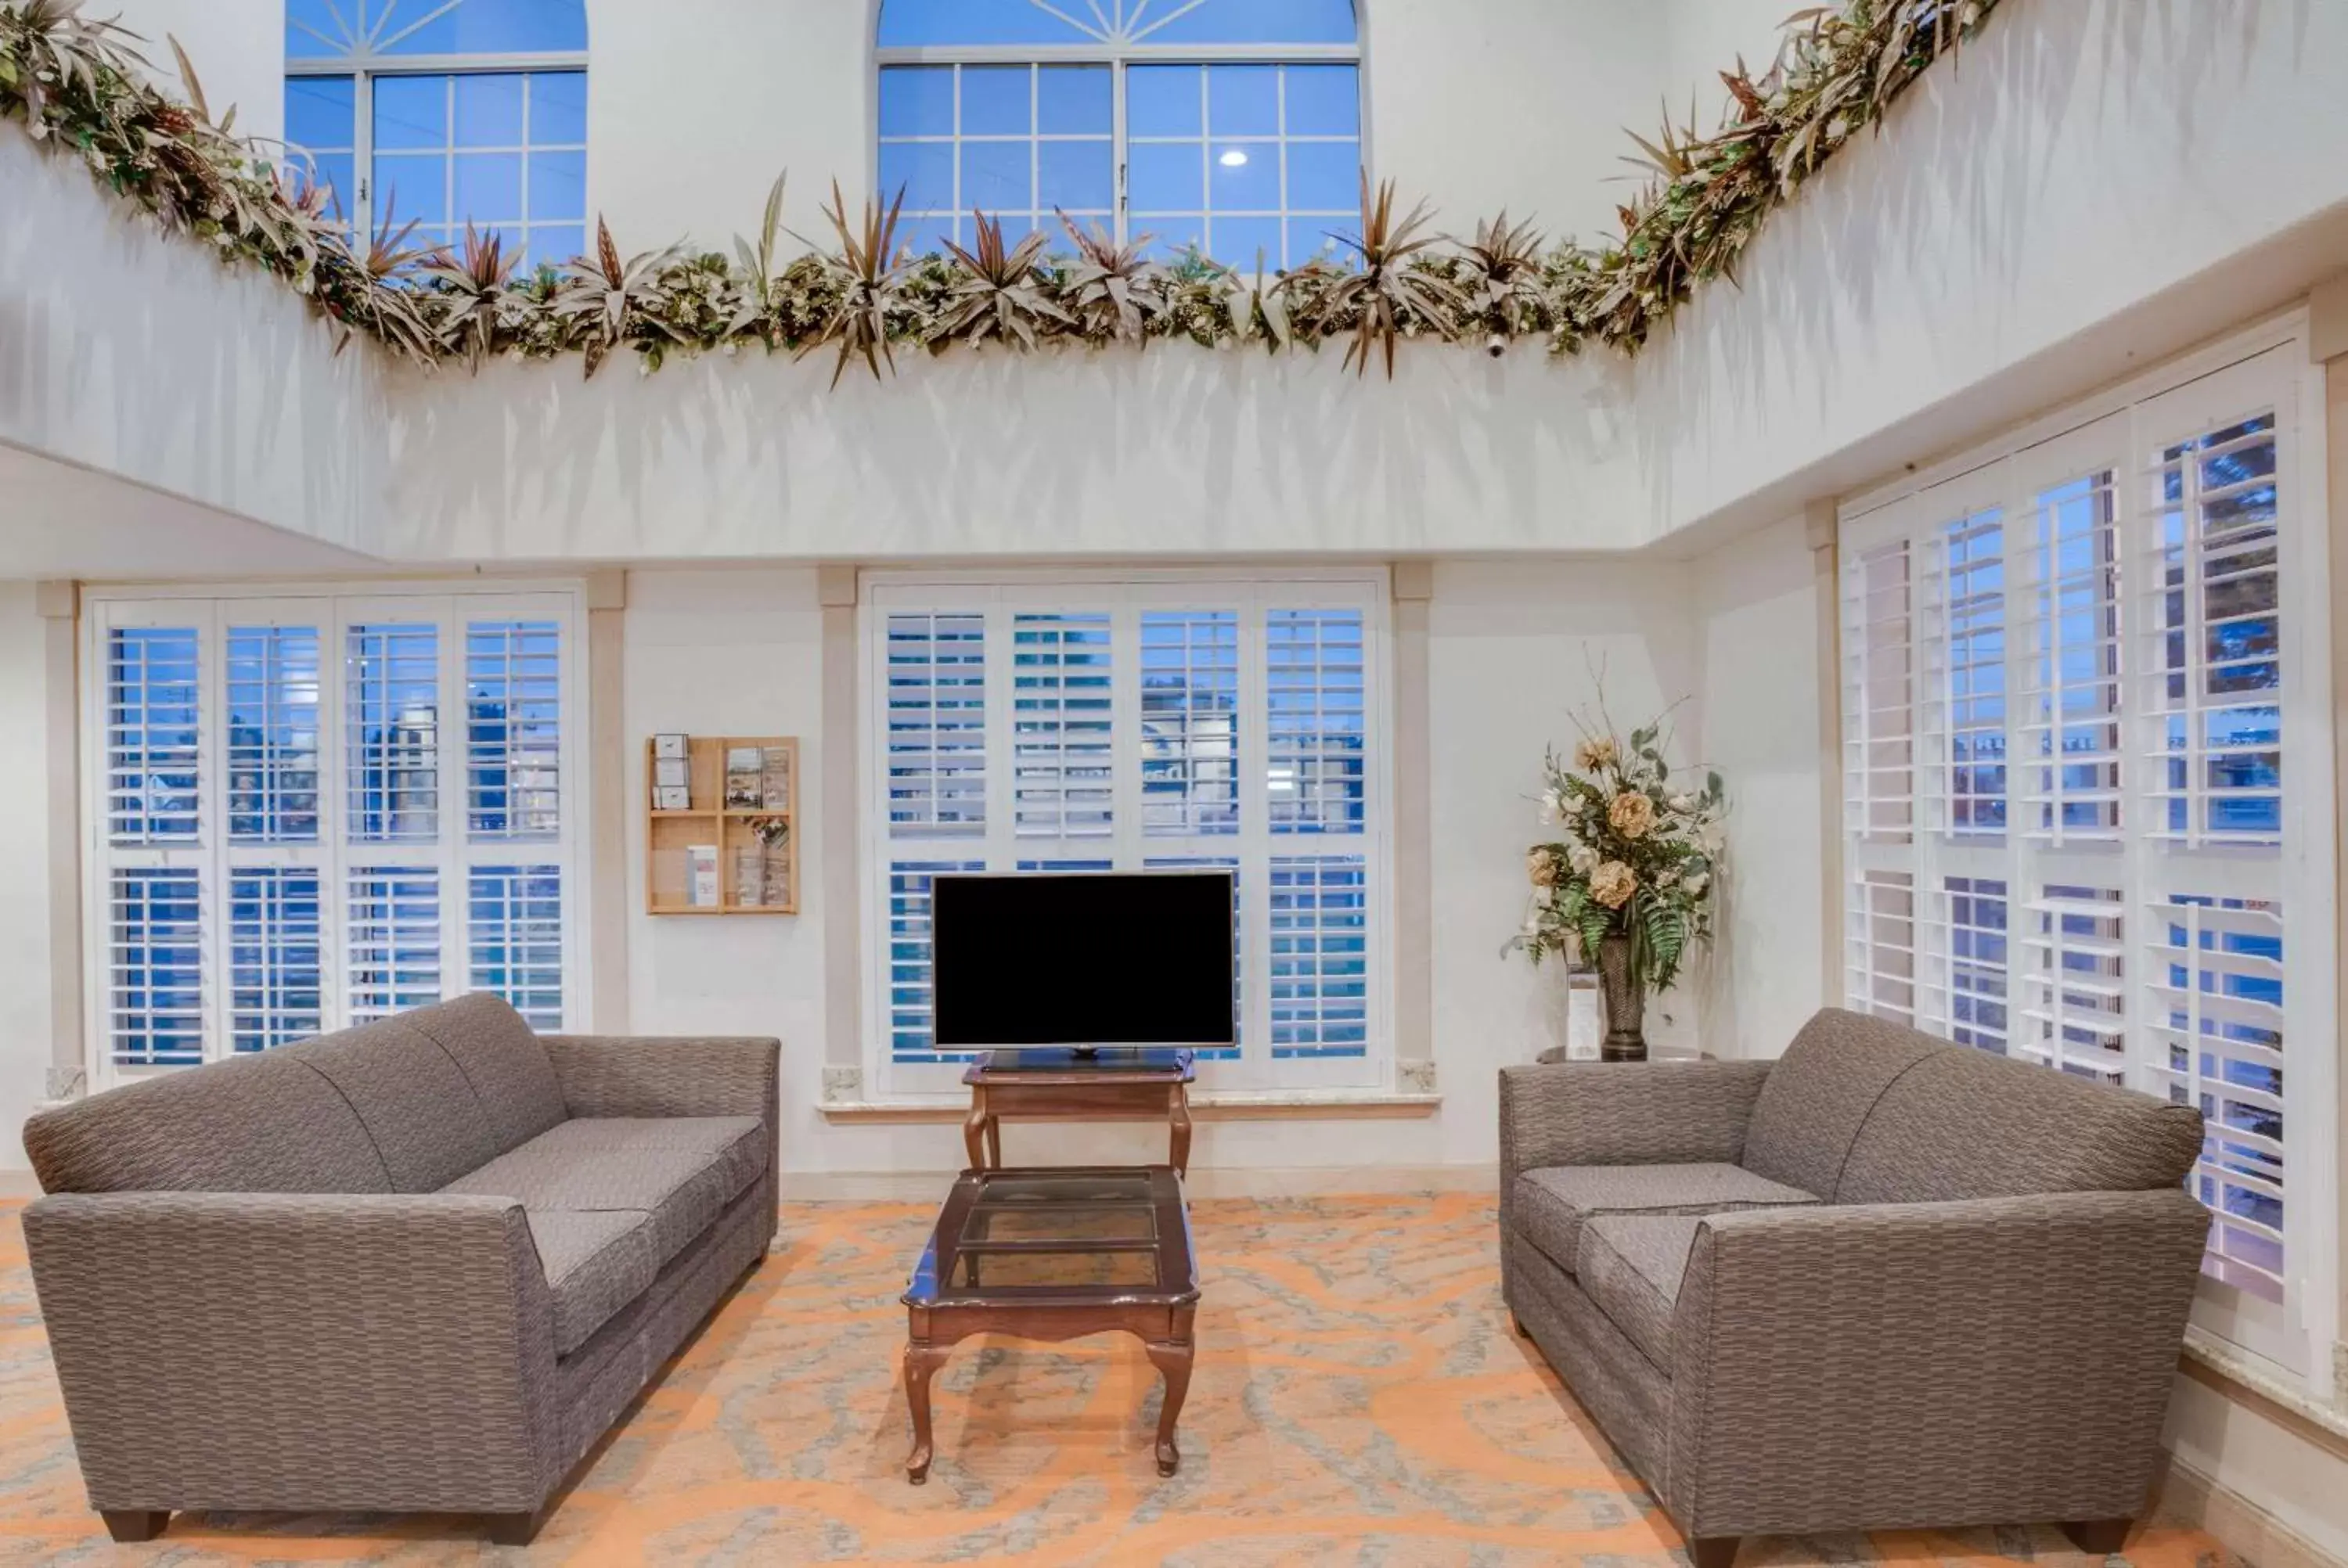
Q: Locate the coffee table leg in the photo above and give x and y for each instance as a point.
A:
(1177, 1114)
(973, 1130)
(920, 1362)
(1173, 1360)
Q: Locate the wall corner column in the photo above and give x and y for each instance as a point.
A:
(1822, 530)
(1412, 589)
(2327, 338)
(841, 807)
(58, 604)
(607, 795)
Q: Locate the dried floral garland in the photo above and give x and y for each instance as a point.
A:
(77, 84)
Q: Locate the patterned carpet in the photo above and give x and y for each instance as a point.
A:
(1359, 1399)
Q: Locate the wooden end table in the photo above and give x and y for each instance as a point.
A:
(1055, 1254)
(1117, 1085)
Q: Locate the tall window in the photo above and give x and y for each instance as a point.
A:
(2071, 832)
(314, 810)
(445, 111)
(1232, 126)
(1173, 722)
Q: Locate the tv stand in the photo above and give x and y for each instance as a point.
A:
(1078, 1084)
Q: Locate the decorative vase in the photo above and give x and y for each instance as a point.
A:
(1626, 1002)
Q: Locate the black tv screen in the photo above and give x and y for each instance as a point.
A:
(1044, 959)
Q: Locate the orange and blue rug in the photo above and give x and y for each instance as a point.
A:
(1359, 1399)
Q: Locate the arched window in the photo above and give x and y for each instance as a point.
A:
(446, 111)
(1235, 126)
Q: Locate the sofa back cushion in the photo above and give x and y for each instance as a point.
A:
(426, 1122)
(251, 1124)
(1963, 1124)
(1819, 1094)
(500, 1055)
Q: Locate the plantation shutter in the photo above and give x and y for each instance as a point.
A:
(1169, 723)
(2090, 877)
(276, 855)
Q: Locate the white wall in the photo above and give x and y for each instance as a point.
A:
(24, 1021)
(1757, 611)
(1703, 38)
(237, 46)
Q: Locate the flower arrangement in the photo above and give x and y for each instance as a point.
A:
(1631, 875)
(76, 83)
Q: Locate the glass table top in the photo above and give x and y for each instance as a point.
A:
(1014, 1235)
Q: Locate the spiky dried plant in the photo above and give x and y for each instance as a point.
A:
(867, 280)
(1115, 290)
(473, 286)
(1498, 273)
(601, 295)
(1258, 305)
(392, 308)
(756, 310)
(999, 295)
(1383, 295)
(66, 61)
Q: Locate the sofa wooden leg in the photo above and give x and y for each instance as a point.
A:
(518, 1529)
(2098, 1537)
(1517, 1324)
(1714, 1551)
(135, 1523)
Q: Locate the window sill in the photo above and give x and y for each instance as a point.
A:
(2213, 1360)
(1264, 1106)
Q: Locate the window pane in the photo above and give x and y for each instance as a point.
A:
(516, 938)
(906, 24)
(997, 101)
(272, 734)
(1077, 176)
(393, 920)
(1242, 239)
(937, 725)
(1319, 957)
(320, 113)
(1163, 100)
(555, 244)
(1167, 177)
(393, 728)
(1073, 100)
(488, 187)
(414, 186)
(1326, 177)
(157, 968)
(1315, 770)
(490, 111)
(411, 112)
(996, 177)
(1061, 758)
(558, 108)
(922, 170)
(1243, 100)
(558, 188)
(1323, 100)
(274, 987)
(917, 101)
(1243, 177)
(475, 26)
(513, 687)
(1248, 22)
(153, 681)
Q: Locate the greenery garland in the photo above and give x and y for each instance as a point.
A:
(79, 86)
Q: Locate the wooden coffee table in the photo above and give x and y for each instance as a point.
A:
(1055, 1254)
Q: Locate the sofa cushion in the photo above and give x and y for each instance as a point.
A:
(678, 1172)
(1551, 1206)
(1964, 1123)
(422, 1114)
(1819, 1094)
(596, 1261)
(502, 1059)
(1630, 1266)
(263, 1123)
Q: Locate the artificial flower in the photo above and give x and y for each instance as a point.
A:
(1541, 866)
(1613, 884)
(1633, 815)
(1591, 755)
(1583, 858)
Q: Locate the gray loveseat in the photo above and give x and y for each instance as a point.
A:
(420, 1266)
(1883, 1283)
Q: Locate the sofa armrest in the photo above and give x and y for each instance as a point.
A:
(667, 1075)
(1995, 1359)
(1617, 1114)
(275, 1350)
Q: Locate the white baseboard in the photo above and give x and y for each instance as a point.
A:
(2185, 1496)
(1301, 1181)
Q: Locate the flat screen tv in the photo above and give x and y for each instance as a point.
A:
(1043, 959)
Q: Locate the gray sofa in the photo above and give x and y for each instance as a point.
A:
(1884, 1282)
(420, 1266)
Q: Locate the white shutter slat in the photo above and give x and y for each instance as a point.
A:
(276, 977)
(272, 754)
(392, 731)
(1063, 774)
(2073, 669)
(1190, 744)
(935, 718)
(1316, 730)
(912, 1009)
(156, 967)
(515, 938)
(1882, 945)
(1878, 695)
(513, 729)
(393, 925)
(153, 681)
(1319, 977)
